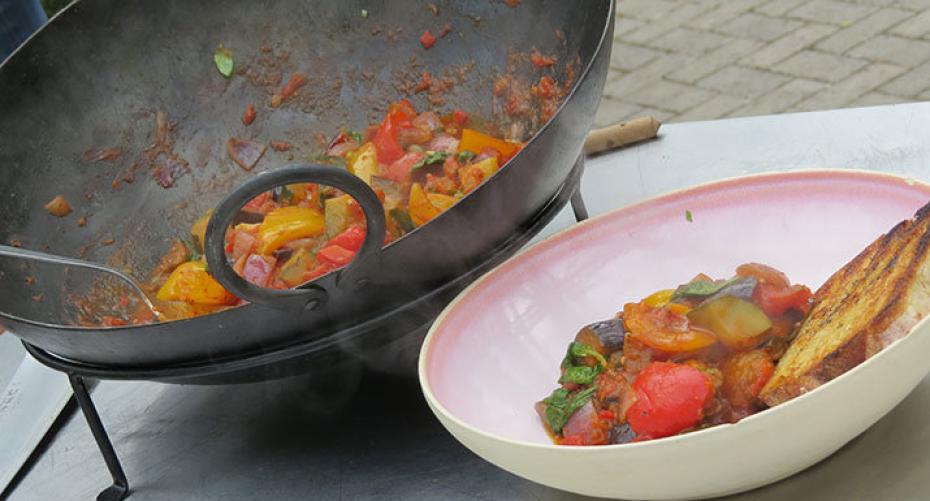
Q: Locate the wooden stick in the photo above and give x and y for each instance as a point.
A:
(621, 134)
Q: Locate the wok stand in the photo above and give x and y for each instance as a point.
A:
(79, 374)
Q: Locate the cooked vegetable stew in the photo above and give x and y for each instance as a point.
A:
(419, 165)
(679, 360)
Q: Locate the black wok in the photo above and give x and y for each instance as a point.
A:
(96, 76)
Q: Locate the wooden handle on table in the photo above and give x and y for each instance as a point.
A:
(621, 134)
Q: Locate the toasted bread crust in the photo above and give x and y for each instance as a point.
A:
(866, 305)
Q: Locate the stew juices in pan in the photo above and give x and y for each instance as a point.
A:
(419, 164)
(679, 360)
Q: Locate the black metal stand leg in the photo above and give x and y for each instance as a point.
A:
(120, 488)
(581, 212)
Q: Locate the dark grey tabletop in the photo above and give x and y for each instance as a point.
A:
(363, 435)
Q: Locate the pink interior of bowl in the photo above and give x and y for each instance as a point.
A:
(496, 350)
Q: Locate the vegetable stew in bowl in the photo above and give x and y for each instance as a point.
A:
(681, 359)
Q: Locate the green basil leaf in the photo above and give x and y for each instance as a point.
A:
(561, 404)
(700, 288)
(285, 195)
(224, 61)
(464, 156)
(432, 157)
(193, 248)
(580, 350)
(356, 136)
(580, 375)
(402, 219)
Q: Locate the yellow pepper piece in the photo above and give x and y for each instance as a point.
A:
(199, 229)
(475, 141)
(470, 177)
(440, 201)
(300, 191)
(365, 162)
(179, 310)
(659, 299)
(419, 207)
(337, 214)
(678, 308)
(294, 271)
(288, 223)
(190, 282)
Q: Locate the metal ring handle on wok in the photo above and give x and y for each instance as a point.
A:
(307, 296)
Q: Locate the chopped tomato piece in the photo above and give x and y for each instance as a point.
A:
(296, 81)
(249, 116)
(459, 116)
(402, 110)
(335, 255)
(427, 39)
(744, 376)
(666, 328)
(670, 398)
(545, 88)
(400, 169)
(541, 61)
(572, 440)
(776, 300)
(764, 274)
(386, 144)
(111, 321)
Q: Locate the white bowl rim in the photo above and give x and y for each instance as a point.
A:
(567, 232)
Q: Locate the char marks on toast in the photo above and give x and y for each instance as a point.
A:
(869, 303)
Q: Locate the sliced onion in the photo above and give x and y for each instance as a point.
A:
(257, 270)
(427, 120)
(444, 143)
(340, 149)
(581, 421)
(244, 152)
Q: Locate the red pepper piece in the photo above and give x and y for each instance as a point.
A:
(335, 255)
(427, 39)
(351, 239)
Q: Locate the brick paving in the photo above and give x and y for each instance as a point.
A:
(682, 60)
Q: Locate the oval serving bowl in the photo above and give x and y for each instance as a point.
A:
(495, 350)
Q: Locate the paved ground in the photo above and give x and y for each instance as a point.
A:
(683, 60)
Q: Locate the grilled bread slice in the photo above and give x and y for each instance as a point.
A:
(869, 303)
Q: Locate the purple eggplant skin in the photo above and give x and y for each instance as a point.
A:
(621, 434)
(606, 336)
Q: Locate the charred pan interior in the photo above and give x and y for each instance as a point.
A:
(130, 126)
